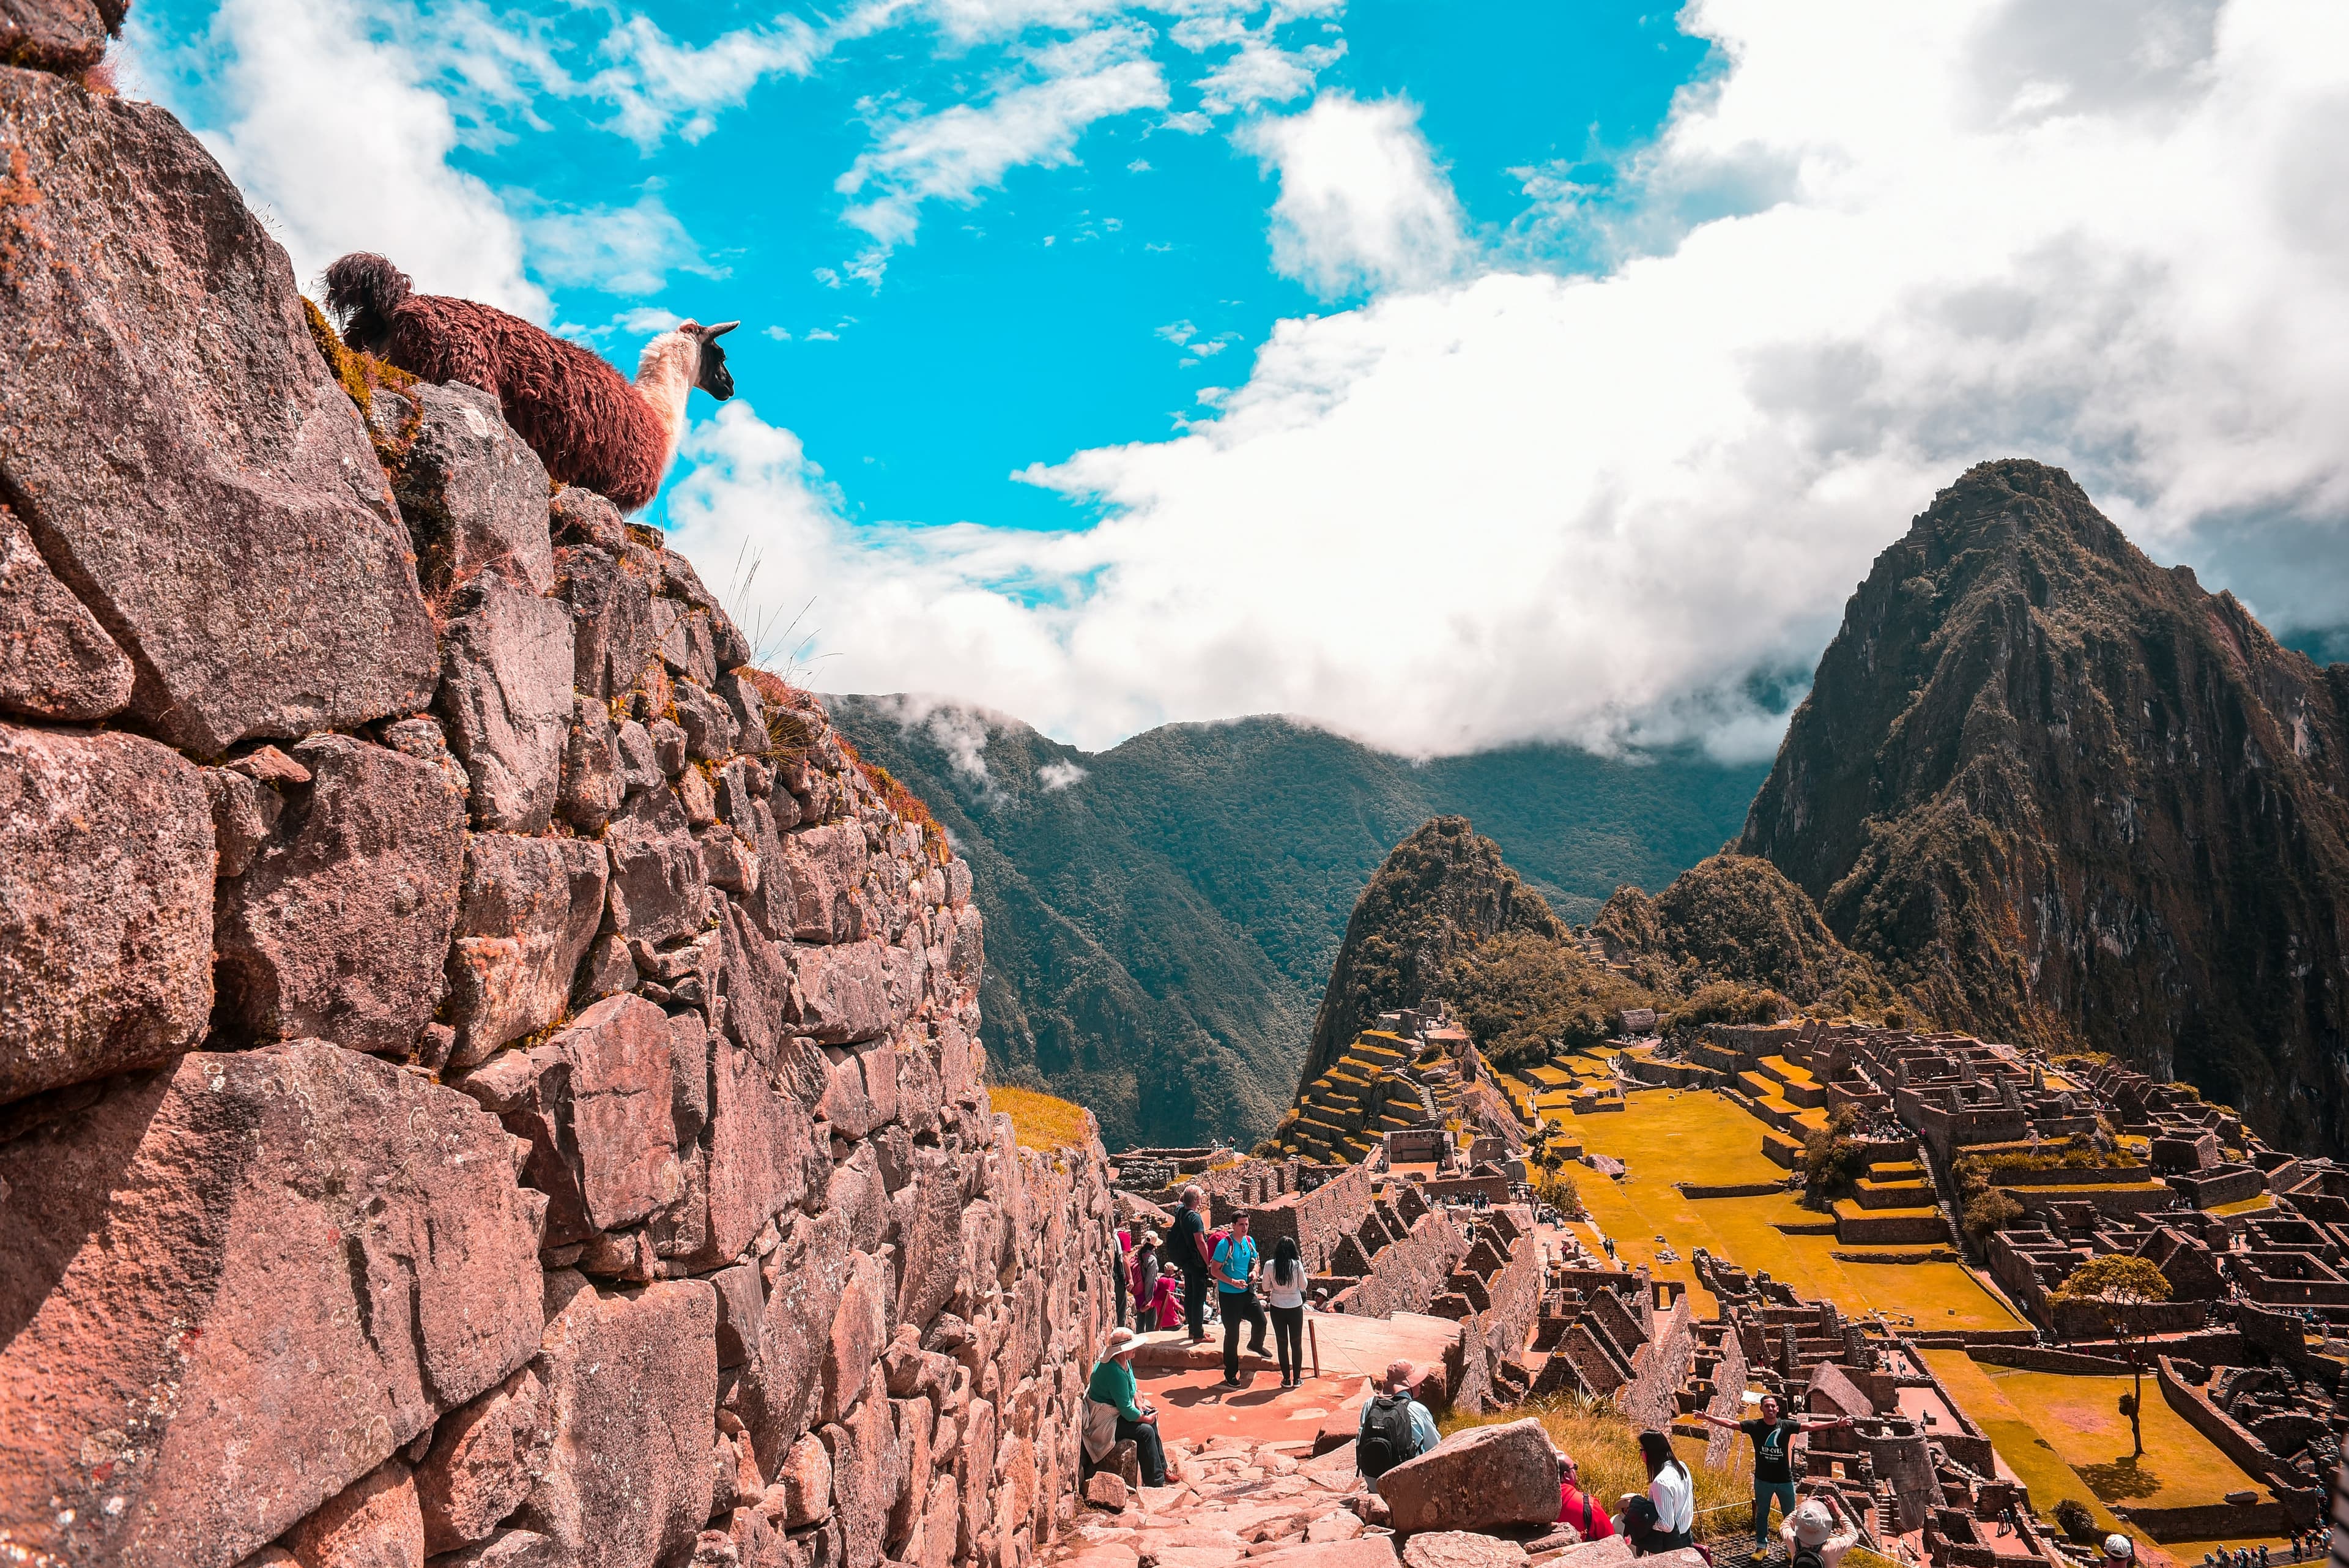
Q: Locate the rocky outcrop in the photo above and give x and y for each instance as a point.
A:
(1735, 918)
(2063, 795)
(532, 1112)
(1439, 892)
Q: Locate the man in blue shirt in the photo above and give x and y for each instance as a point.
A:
(1235, 1297)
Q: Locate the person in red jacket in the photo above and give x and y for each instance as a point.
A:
(1577, 1507)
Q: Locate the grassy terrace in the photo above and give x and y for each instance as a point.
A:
(1666, 1135)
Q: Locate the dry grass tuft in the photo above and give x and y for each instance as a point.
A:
(1040, 1121)
(1608, 1450)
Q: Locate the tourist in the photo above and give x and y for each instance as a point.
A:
(1234, 1261)
(2121, 1553)
(1819, 1533)
(1145, 1280)
(1671, 1493)
(1575, 1505)
(1112, 1385)
(1395, 1427)
(1284, 1296)
(1191, 1256)
(1774, 1434)
(1166, 1304)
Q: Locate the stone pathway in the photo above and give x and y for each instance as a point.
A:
(1234, 1500)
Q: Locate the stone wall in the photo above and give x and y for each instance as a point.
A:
(1408, 1271)
(484, 1075)
(1318, 1220)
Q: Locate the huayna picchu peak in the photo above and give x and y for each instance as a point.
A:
(2062, 795)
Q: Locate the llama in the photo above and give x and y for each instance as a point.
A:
(587, 425)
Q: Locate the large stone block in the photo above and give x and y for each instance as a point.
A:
(610, 594)
(374, 1523)
(843, 994)
(106, 919)
(865, 1464)
(230, 1288)
(1486, 1478)
(527, 912)
(58, 34)
(484, 1461)
(505, 690)
(659, 890)
(821, 870)
(176, 447)
(631, 1384)
(804, 1278)
(594, 1104)
(473, 492)
(860, 1327)
(339, 927)
(761, 1136)
(55, 661)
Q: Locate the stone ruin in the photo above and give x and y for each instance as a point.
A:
(485, 1074)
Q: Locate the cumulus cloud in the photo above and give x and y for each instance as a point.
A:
(1490, 505)
(1361, 205)
(1056, 776)
(623, 249)
(1033, 118)
(336, 137)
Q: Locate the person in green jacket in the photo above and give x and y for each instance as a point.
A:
(1112, 1385)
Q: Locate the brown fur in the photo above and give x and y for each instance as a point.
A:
(583, 418)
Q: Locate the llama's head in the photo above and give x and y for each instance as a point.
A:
(712, 377)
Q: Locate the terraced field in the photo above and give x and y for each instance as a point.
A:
(1664, 1135)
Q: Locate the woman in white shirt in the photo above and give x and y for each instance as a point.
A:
(1284, 1300)
(1671, 1489)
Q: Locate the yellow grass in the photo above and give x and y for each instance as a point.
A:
(1668, 1135)
(1608, 1450)
(1040, 1121)
(2080, 1418)
(2034, 1459)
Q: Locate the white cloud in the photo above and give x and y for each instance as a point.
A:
(955, 153)
(337, 137)
(660, 87)
(1056, 776)
(1510, 504)
(1361, 205)
(1176, 332)
(1262, 72)
(621, 250)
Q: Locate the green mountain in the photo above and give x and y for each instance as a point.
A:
(1162, 917)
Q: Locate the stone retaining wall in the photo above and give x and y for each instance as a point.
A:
(483, 1072)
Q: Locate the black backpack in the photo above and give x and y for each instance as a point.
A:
(1386, 1439)
(1806, 1557)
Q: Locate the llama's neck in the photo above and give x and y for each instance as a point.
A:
(665, 377)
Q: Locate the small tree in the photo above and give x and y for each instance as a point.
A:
(2113, 1287)
(1990, 1211)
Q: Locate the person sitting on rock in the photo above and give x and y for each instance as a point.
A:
(1575, 1505)
(1395, 1427)
(1670, 1501)
(1112, 1385)
(1819, 1533)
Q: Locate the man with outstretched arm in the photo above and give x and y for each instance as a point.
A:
(1773, 1435)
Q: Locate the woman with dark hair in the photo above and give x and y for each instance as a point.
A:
(1671, 1500)
(1284, 1297)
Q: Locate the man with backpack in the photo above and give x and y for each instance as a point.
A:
(1819, 1533)
(1395, 1427)
(1234, 1258)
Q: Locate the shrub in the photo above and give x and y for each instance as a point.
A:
(2073, 1518)
(1725, 1002)
(1559, 1189)
(1990, 1211)
(1833, 1160)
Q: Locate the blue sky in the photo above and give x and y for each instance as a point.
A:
(1041, 317)
(1451, 374)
